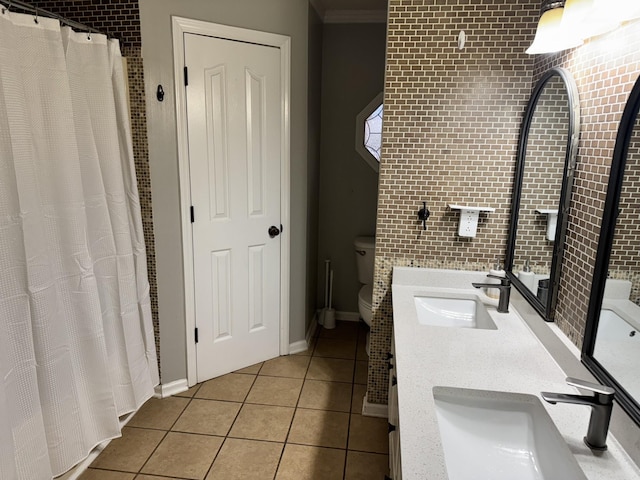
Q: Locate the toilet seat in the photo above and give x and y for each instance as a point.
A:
(365, 299)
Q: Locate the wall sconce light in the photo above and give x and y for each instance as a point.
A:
(566, 24)
(590, 18)
(550, 36)
(629, 9)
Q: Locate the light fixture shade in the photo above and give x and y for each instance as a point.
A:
(590, 18)
(629, 9)
(550, 37)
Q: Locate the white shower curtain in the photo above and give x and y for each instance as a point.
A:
(76, 337)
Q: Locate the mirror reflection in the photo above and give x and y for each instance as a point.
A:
(542, 187)
(617, 343)
(611, 348)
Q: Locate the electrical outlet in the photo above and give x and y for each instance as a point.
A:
(468, 226)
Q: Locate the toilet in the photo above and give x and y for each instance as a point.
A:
(365, 250)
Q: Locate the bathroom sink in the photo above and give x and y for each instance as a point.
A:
(464, 311)
(500, 435)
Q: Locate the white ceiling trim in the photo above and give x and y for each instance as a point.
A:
(354, 16)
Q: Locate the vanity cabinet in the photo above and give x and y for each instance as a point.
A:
(394, 419)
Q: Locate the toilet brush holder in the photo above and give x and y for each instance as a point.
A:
(329, 318)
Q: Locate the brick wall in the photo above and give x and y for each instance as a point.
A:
(452, 119)
(117, 18)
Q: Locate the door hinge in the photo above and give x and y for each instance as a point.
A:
(196, 334)
(186, 76)
(193, 214)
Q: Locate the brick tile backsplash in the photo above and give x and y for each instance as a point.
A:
(451, 126)
(117, 18)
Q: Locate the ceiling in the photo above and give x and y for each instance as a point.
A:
(351, 11)
(353, 4)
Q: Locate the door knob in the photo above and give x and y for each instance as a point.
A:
(274, 231)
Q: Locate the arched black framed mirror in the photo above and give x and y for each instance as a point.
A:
(611, 348)
(542, 189)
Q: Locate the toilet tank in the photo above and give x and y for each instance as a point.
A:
(365, 253)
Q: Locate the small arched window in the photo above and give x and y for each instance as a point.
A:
(369, 132)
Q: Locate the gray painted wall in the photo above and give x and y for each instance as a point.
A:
(352, 75)
(286, 17)
(313, 173)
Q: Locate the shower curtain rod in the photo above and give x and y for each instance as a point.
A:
(9, 4)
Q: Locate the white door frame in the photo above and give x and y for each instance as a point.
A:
(180, 27)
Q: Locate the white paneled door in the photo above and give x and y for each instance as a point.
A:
(234, 134)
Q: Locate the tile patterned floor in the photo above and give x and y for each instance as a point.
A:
(290, 418)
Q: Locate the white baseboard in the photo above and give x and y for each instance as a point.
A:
(303, 345)
(374, 409)
(348, 316)
(165, 390)
(297, 347)
(313, 326)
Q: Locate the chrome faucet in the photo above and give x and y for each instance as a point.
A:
(505, 291)
(601, 403)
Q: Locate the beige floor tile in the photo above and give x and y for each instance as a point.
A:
(321, 395)
(301, 462)
(184, 455)
(369, 434)
(275, 391)
(292, 366)
(344, 331)
(362, 372)
(252, 369)
(335, 348)
(359, 391)
(320, 428)
(246, 460)
(142, 476)
(331, 369)
(361, 351)
(209, 417)
(262, 422)
(365, 466)
(159, 413)
(94, 474)
(232, 387)
(129, 452)
(189, 393)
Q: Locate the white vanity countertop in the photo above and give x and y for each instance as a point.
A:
(510, 359)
